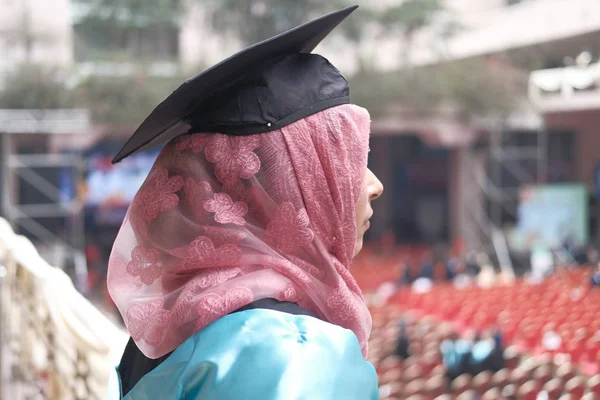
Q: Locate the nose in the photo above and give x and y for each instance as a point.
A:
(375, 186)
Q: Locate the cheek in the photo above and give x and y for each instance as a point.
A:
(361, 207)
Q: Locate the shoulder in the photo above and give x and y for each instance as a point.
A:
(266, 353)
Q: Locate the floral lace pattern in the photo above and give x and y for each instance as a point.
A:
(203, 254)
(214, 305)
(223, 221)
(146, 322)
(233, 157)
(290, 294)
(226, 211)
(220, 236)
(345, 311)
(144, 263)
(311, 269)
(196, 194)
(194, 142)
(289, 229)
(213, 277)
(251, 196)
(160, 195)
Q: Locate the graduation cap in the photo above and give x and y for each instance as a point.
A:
(262, 88)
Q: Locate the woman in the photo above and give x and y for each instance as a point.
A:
(231, 269)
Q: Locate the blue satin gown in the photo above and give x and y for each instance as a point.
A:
(263, 354)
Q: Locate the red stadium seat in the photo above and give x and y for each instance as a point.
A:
(509, 391)
(492, 394)
(565, 372)
(590, 396)
(482, 382)
(414, 387)
(554, 388)
(594, 384)
(469, 395)
(391, 376)
(576, 387)
(390, 363)
(528, 391)
(435, 386)
(519, 376)
(542, 374)
(411, 373)
(461, 384)
(501, 378)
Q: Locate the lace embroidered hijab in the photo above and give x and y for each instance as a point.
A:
(223, 221)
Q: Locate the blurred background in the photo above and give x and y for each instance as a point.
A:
(481, 264)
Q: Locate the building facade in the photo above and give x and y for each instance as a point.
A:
(35, 31)
(436, 166)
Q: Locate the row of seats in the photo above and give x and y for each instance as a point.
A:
(422, 376)
(555, 316)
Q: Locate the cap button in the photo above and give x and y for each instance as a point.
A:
(269, 124)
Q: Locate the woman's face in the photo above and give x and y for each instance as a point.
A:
(372, 189)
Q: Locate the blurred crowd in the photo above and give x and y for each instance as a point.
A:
(429, 269)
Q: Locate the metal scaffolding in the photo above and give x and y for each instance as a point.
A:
(64, 250)
(490, 198)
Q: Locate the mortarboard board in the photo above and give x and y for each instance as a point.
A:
(261, 88)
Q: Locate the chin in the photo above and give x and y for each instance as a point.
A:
(358, 247)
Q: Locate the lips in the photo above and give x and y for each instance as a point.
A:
(367, 222)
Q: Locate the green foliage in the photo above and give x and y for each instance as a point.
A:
(479, 88)
(128, 14)
(123, 100)
(35, 87)
(113, 100)
(473, 87)
(254, 20)
(410, 15)
(116, 25)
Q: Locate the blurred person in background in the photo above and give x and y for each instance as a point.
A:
(454, 267)
(472, 354)
(427, 266)
(592, 255)
(231, 268)
(403, 343)
(403, 271)
(471, 264)
(595, 278)
(487, 353)
(486, 277)
(542, 262)
(455, 353)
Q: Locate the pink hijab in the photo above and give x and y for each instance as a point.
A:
(223, 221)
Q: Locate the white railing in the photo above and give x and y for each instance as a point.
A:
(59, 121)
(570, 88)
(54, 344)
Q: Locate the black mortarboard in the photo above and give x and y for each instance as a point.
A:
(262, 88)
